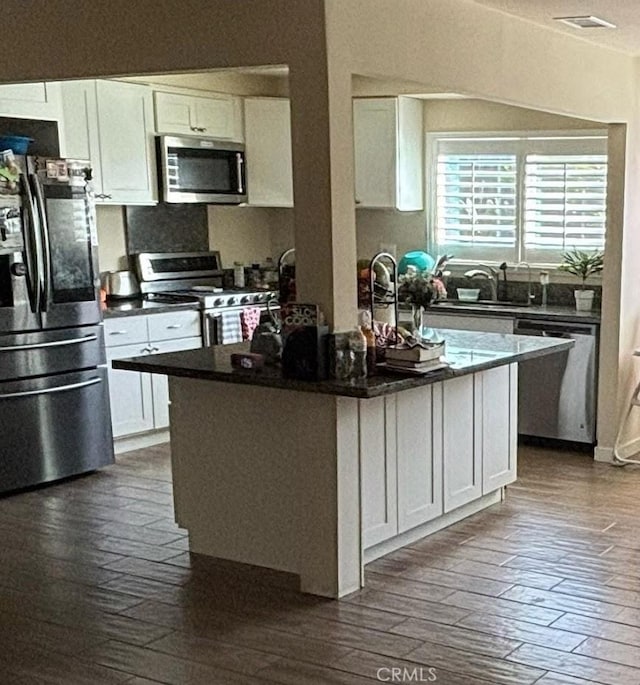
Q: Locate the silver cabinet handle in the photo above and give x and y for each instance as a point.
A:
(49, 391)
(118, 332)
(173, 326)
(54, 343)
(103, 196)
(150, 348)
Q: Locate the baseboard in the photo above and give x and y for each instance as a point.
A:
(410, 536)
(129, 443)
(605, 454)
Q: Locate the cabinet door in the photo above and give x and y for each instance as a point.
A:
(129, 394)
(174, 113)
(160, 384)
(461, 421)
(80, 126)
(499, 389)
(268, 143)
(218, 117)
(378, 469)
(419, 431)
(125, 124)
(375, 140)
(488, 324)
(31, 100)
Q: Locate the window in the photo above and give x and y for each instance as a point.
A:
(517, 198)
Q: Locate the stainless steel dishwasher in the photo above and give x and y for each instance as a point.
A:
(557, 393)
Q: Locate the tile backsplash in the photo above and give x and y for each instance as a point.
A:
(167, 228)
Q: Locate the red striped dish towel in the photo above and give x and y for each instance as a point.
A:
(230, 328)
(249, 319)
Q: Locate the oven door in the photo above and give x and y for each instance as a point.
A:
(202, 170)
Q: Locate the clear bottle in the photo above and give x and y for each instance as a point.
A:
(358, 348)
(238, 274)
(370, 338)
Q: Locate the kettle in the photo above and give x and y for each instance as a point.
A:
(120, 285)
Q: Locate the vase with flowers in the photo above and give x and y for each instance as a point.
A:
(419, 289)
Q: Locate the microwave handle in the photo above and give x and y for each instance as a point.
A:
(239, 163)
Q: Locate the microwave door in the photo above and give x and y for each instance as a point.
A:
(67, 220)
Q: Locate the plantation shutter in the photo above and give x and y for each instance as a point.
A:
(565, 201)
(476, 199)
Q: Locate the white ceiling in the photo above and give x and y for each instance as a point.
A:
(625, 14)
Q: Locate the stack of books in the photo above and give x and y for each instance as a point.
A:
(417, 358)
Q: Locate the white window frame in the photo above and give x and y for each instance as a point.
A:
(534, 141)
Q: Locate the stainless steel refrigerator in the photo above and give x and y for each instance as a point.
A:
(54, 402)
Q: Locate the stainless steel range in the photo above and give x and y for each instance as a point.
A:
(197, 277)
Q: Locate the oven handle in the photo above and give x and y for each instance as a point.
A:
(209, 329)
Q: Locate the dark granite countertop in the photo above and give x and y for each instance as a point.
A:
(466, 351)
(118, 308)
(549, 313)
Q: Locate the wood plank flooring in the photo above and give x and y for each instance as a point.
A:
(97, 586)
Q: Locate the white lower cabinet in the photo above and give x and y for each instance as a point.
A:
(500, 426)
(419, 455)
(427, 451)
(378, 469)
(140, 401)
(462, 430)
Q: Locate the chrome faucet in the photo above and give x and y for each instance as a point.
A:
(491, 275)
(530, 294)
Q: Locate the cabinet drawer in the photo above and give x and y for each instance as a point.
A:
(125, 330)
(185, 324)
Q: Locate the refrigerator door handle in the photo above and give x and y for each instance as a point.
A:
(49, 391)
(54, 343)
(31, 250)
(46, 245)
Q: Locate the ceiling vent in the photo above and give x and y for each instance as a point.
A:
(589, 22)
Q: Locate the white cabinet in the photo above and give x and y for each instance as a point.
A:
(389, 153)
(214, 116)
(419, 449)
(378, 469)
(499, 398)
(31, 101)
(462, 432)
(429, 450)
(467, 322)
(267, 124)
(140, 401)
(111, 124)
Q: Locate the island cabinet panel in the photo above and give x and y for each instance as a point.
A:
(499, 388)
(378, 469)
(419, 449)
(463, 322)
(462, 432)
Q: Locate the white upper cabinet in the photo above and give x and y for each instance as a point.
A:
(111, 124)
(214, 116)
(268, 146)
(31, 100)
(389, 153)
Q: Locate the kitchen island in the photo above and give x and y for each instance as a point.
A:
(317, 478)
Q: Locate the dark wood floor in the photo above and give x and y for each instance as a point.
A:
(96, 586)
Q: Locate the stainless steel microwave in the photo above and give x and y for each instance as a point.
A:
(193, 169)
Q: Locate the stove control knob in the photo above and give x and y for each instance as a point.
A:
(246, 299)
(231, 301)
(218, 302)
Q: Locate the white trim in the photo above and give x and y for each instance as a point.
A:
(629, 449)
(128, 443)
(430, 527)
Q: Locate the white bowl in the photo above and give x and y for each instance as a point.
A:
(468, 294)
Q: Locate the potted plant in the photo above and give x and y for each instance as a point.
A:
(582, 264)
